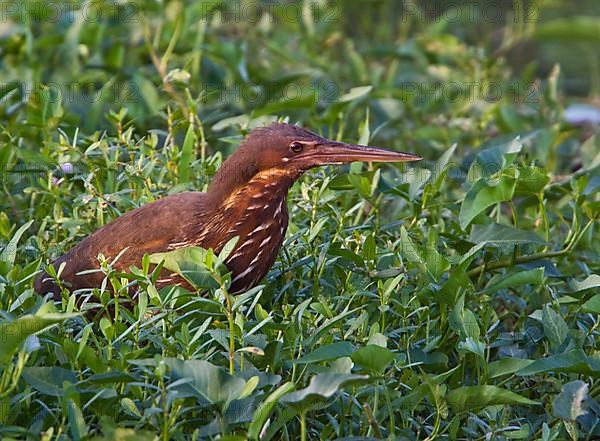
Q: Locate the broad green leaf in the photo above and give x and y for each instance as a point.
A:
(498, 234)
(369, 249)
(336, 250)
(266, 408)
(592, 305)
(507, 366)
(530, 277)
(189, 262)
(373, 358)
(555, 328)
(473, 346)
(327, 352)
(210, 384)
(48, 380)
(463, 321)
(574, 361)
(409, 250)
(128, 405)
(321, 388)
(532, 180)
(568, 405)
(14, 332)
(485, 193)
(493, 159)
(468, 398)
(591, 281)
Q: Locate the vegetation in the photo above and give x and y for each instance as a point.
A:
(455, 298)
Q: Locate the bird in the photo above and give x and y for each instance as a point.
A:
(247, 199)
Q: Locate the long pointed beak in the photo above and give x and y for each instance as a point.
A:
(333, 152)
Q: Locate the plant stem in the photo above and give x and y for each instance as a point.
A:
(231, 332)
(303, 426)
(510, 262)
(571, 243)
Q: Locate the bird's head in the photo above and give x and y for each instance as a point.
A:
(287, 146)
(284, 151)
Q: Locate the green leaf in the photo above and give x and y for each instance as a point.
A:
(48, 380)
(14, 332)
(189, 262)
(592, 305)
(77, 425)
(507, 366)
(187, 154)
(441, 166)
(555, 328)
(354, 94)
(485, 193)
(580, 28)
(532, 180)
(369, 250)
(128, 405)
(473, 346)
(51, 102)
(144, 98)
(327, 325)
(327, 352)
(591, 281)
(520, 278)
(463, 321)
(322, 387)
(416, 180)
(568, 405)
(498, 234)
(468, 398)
(416, 396)
(496, 158)
(373, 358)
(9, 252)
(208, 383)
(573, 361)
(409, 250)
(266, 408)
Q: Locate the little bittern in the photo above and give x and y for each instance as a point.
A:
(247, 198)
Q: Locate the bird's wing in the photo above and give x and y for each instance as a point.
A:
(156, 227)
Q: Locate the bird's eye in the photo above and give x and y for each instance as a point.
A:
(296, 147)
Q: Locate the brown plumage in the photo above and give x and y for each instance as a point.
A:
(247, 198)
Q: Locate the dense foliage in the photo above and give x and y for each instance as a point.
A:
(454, 298)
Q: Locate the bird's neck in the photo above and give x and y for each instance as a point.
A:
(264, 187)
(240, 177)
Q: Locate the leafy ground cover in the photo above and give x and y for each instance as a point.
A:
(453, 299)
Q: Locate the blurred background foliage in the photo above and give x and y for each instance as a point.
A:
(457, 298)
